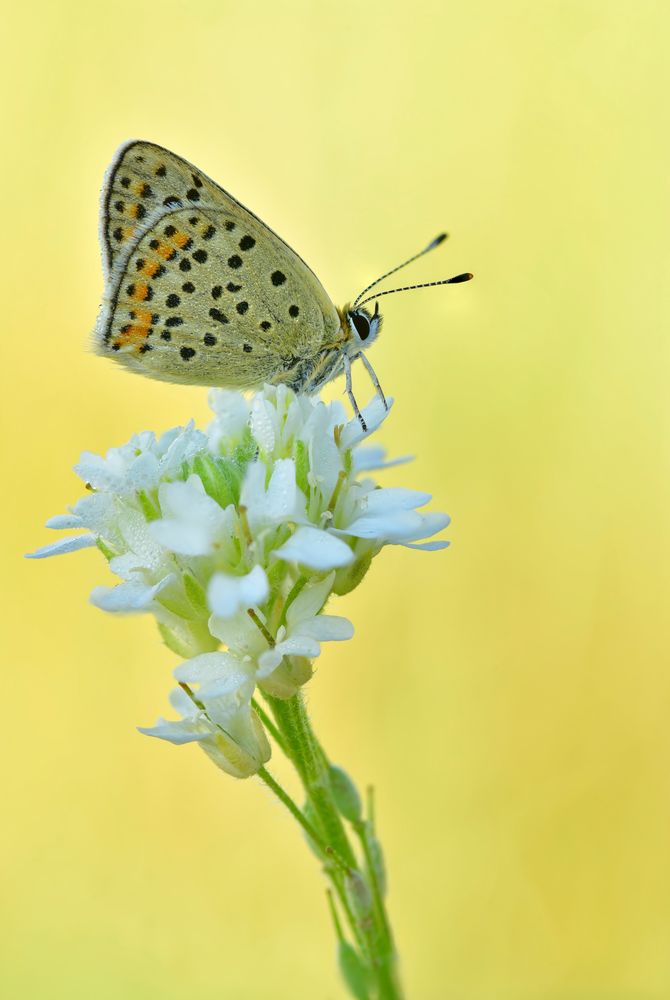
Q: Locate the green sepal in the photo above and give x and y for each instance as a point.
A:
(174, 641)
(244, 453)
(174, 599)
(195, 593)
(188, 641)
(105, 549)
(353, 970)
(348, 577)
(302, 466)
(220, 483)
(276, 574)
(291, 596)
(149, 506)
(345, 793)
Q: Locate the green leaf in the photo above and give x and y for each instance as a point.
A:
(345, 793)
(354, 972)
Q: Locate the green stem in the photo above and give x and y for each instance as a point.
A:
(284, 797)
(362, 831)
(296, 731)
(355, 883)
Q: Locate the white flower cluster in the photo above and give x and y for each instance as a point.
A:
(238, 537)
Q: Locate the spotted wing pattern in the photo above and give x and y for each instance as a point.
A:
(199, 290)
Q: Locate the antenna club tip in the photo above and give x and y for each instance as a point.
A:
(461, 277)
(436, 242)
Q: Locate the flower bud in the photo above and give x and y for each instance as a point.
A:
(287, 679)
(358, 894)
(234, 758)
(377, 860)
(345, 793)
(353, 970)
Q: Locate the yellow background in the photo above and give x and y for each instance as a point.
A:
(509, 697)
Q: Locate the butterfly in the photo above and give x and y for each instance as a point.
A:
(199, 290)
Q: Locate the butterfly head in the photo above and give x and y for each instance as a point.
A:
(363, 327)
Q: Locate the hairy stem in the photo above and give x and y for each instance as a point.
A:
(355, 881)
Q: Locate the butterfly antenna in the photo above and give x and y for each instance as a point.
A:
(431, 246)
(426, 284)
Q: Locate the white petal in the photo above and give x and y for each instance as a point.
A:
(192, 521)
(183, 703)
(177, 733)
(326, 628)
(185, 445)
(383, 526)
(232, 415)
(298, 646)
(127, 598)
(94, 469)
(309, 601)
(138, 538)
(239, 633)
(62, 521)
(394, 498)
(431, 523)
(95, 512)
(315, 548)
(225, 686)
(374, 415)
(262, 424)
(127, 566)
(282, 489)
(226, 595)
(62, 546)
(268, 661)
(372, 457)
(398, 526)
(279, 502)
(253, 487)
(143, 473)
(426, 546)
(222, 669)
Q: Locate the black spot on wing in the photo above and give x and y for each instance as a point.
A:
(218, 315)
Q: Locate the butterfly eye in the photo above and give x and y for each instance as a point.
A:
(361, 323)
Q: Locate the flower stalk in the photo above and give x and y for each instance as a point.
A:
(369, 966)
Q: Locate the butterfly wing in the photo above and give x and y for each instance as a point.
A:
(198, 289)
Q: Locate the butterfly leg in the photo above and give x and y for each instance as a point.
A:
(350, 391)
(375, 380)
